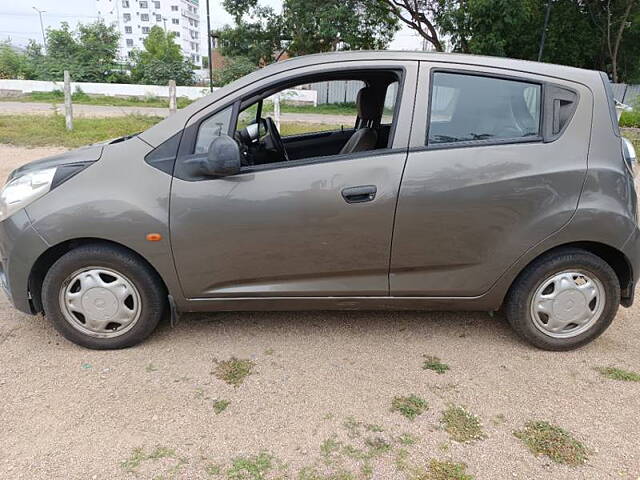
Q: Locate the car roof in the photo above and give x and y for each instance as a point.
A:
(542, 68)
(173, 124)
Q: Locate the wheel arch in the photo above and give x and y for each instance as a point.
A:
(44, 262)
(616, 259)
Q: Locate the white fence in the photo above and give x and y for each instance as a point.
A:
(346, 91)
(21, 87)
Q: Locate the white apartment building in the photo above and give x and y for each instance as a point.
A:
(134, 19)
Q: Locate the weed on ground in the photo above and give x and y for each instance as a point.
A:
(461, 425)
(410, 406)
(543, 438)
(233, 371)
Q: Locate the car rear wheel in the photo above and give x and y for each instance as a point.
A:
(103, 297)
(563, 300)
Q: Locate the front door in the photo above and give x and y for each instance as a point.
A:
(310, 226)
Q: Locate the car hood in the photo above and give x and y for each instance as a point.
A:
(84, 155)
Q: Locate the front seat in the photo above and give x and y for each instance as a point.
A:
(370, 105)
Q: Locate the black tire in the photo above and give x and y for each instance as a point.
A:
(519, 298)
(150, 289)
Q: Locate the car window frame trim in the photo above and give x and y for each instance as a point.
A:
(483, 142)
(190, 132)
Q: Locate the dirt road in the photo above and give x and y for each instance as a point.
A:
(317, 400)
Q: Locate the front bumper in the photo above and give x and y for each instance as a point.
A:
(20, 247)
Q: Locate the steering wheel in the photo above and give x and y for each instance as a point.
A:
(276, 139)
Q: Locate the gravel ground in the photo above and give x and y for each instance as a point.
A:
(67, 412)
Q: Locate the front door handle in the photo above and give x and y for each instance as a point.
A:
(363, 193)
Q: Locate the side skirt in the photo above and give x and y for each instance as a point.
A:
(481, 303)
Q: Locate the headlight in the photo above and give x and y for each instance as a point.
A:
(21, 191)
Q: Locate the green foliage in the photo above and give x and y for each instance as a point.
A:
(12, 63)
(630, 119)
(337, 24)
(251, 468)
(220, 406)
(543, 438)
(410, 406)
(89, 53)
(434, 363)
(575, 36)
(443, 470)
(461, 425)
(260, 34)
(614, 373)
(161, 61)
(234, 370)
(235, 68)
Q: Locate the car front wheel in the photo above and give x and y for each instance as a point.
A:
(563, 300)
(102, 297)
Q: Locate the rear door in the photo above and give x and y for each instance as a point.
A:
(496, 164)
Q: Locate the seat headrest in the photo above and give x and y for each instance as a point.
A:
(370, 104)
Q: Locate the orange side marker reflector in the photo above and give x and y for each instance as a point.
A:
(154, 237)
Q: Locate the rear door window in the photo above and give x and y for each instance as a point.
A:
(474, 108)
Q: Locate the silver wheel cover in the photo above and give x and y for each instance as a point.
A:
(567, 303)
(100, 302)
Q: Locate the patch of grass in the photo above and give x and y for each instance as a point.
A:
(443, 470)
(434, 363)
(44, 130)
(630, 119)
(139, 455)
(407, 439)
(81, 98)
(461, 425)
(220, 406)
(615, 373)
(543, 438)
(288, 128)
(254, 467)
(234, 371)
(410, 406)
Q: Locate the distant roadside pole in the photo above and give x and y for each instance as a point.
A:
(68, 106)
(173, 101)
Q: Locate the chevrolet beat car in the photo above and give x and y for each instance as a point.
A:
(462, 182)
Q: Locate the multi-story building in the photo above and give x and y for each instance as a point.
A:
(134, 19)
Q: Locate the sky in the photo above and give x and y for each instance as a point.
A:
(20, 22)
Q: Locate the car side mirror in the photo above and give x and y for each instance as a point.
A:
(223, 157)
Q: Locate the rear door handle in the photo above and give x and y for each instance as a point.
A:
(360, 194)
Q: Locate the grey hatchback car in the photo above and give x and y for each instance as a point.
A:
(464, 183)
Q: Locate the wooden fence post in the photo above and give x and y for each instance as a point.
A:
(173, 103)
(68, 106)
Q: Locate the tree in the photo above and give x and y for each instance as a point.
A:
(262, 35)
(336, 25)
(89, 52)
(513, 28)
(12, 63)
(233, 69)
(419, 16)
(611, 17)
(161, 61)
